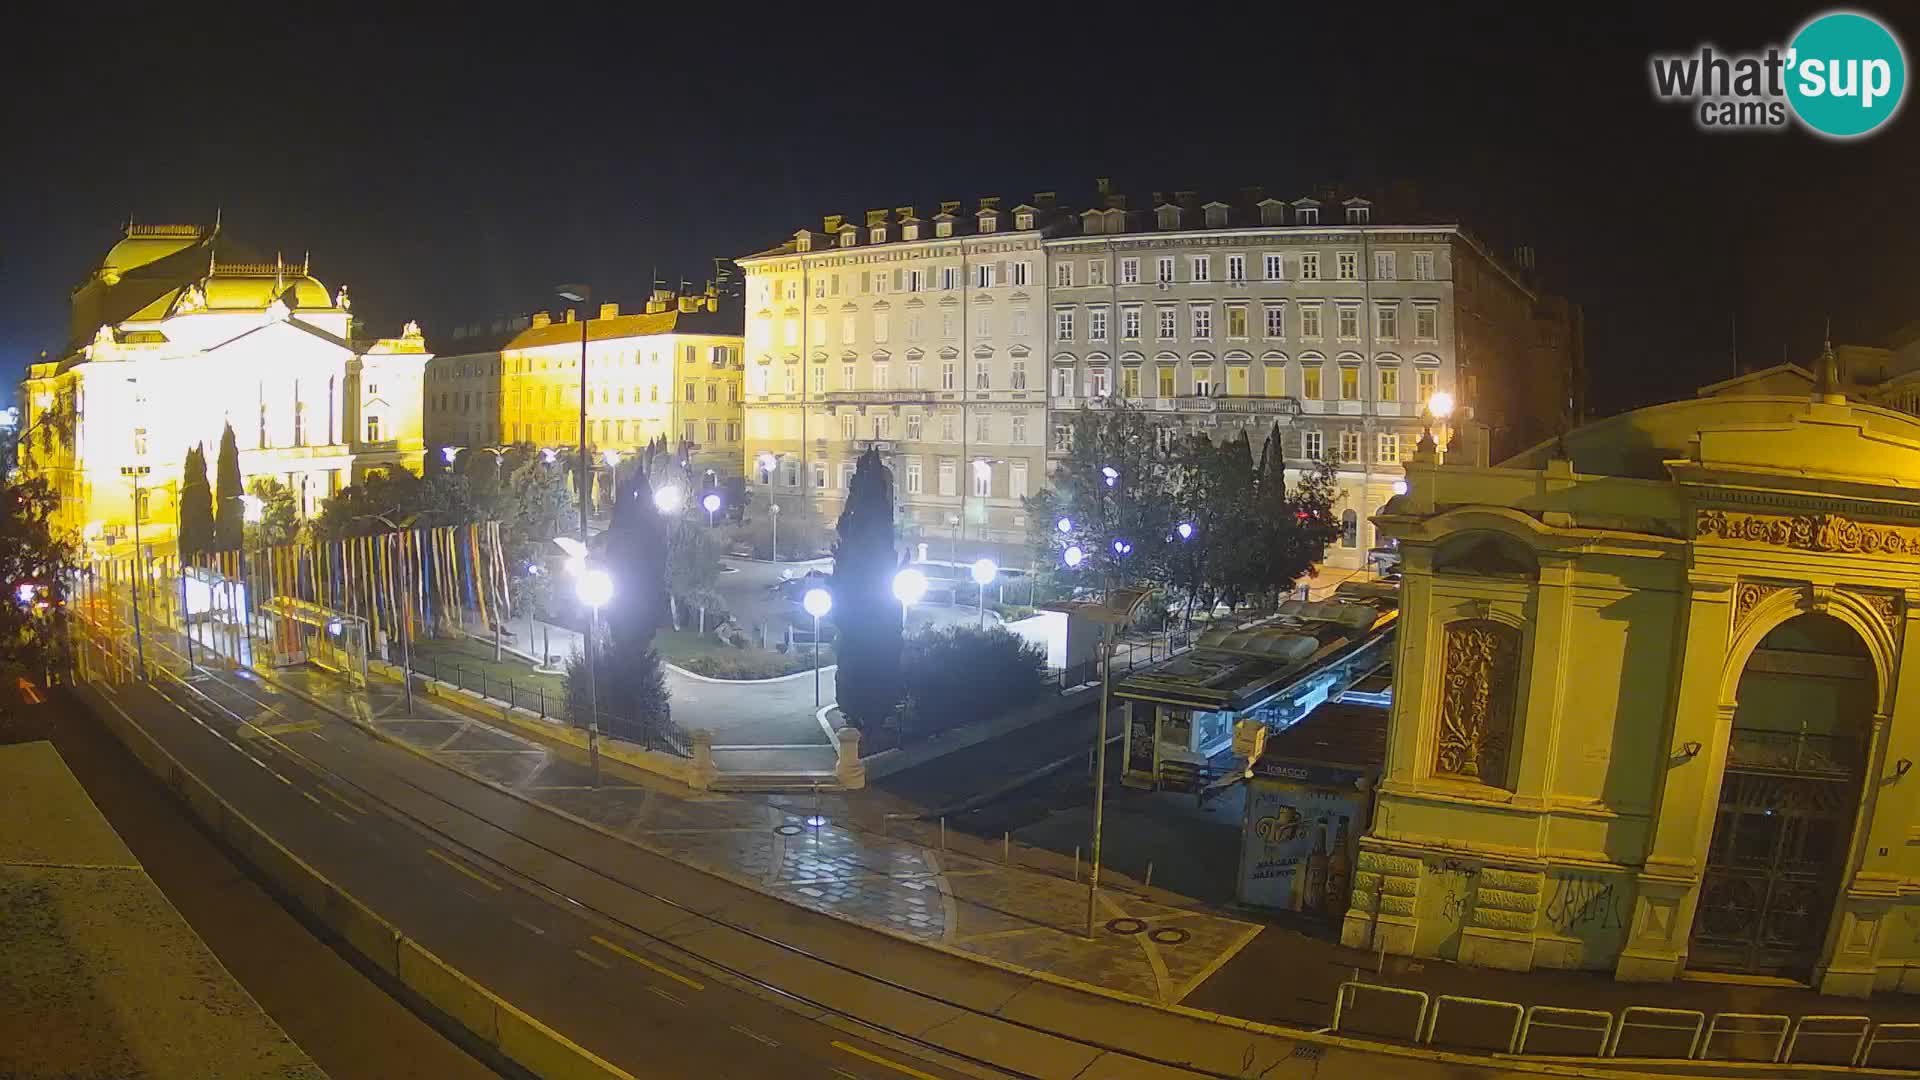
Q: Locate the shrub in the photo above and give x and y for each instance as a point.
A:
(956, 674)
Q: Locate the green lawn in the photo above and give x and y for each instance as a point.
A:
(706, 656)
(466, 662)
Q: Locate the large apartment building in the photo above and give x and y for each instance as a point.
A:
(1332, 314)
(922, 337)
(672, 369)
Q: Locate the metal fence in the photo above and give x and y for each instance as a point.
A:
(1128, 654)
(535, 696)
(1480, 1025)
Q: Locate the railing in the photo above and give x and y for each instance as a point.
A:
(1482, 1025)
(1127, 655)
(535, 697)
(1793, 751)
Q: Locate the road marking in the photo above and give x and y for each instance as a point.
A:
(312, 798)
(664, 994)
(341, 816)
(592, 959)
(341, 799)
(878, 1060)
(845, 1073)
(646, 963)
(527, 926)
(754, 1035)
(450, 861)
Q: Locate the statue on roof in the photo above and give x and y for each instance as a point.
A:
(278, 311)
(411, 330)
(342, 301)
(103, 337)
(191, 299)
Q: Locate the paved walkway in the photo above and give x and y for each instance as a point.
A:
(99, 975)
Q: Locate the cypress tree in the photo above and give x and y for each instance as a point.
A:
(628, 675)
(196, 506)
(229, 513)
(864, 610)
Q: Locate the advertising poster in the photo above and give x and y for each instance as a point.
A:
(1141, 751)
(1297, 845)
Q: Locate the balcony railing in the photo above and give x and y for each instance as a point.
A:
(879, 397)
(1793, 752)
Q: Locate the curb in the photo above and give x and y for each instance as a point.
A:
(678, 670)
(489, 1017)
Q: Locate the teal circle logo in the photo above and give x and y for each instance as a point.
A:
(1847, 74)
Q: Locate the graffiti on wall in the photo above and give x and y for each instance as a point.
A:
(1585, 905)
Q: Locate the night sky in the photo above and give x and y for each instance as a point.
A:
(454, 170)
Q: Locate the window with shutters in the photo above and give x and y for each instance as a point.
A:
(1020, 272)
(1423, 266)
(949, 277)
(913, 426)
(1165, 376)
(946, 326)
(847, 377)
(947, 376)
(1425, 382)
(1099, 382)
(819, 379)
(913, 375)
(1096, 271)
(1018, 378)
(1130, 382)
(1018, 327)
(1063, 382)
(982, 369)
(882, 424)
(983, 276)
(882, 377)
(983, 324)
(1129, 271)
(880, 326)
(1383, 265)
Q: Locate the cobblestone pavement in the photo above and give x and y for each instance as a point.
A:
(1144, 947)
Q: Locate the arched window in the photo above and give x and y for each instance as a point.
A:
(1349, 529)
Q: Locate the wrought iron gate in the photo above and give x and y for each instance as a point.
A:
(1778, 854)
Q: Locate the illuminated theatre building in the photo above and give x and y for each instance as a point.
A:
(1653, 712)
(176, 334)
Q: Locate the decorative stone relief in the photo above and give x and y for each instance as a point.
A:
(1749, 596)
(1885, 605)
(1809, 532)
(1385, 883)
(1480, 658)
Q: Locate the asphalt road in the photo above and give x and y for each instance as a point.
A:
(366, 814)
(351, 1026)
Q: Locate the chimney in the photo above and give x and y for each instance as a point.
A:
(1252, 193)
(1159, 197)
(876, 217)
(831, 223)
(609, 311)
(950, 206)
(569, 314)
(689, 304)
(1103, 185)
(1045, 199)
(989, 202)
(904, 213)
(1186, 199)
(542, 318)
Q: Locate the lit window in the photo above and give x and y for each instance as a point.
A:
(1349, 383)
(1389, 449)
(1130, 382)
(1236, 320)
(1389, 384)
(1164, 378)
(373, 434)
(1310, 383)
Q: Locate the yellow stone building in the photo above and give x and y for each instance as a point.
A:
(177, 333)
(1653, 712)
(672, 369)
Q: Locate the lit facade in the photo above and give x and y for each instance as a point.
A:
(672, 370)
(921, 337)
(1329, 315)
(1651, 709)
(177, 334)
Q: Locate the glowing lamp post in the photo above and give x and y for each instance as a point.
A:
(817, 602)
(1440, 406)
(594, 588)
(711, 504)
(668, 499)
(909, 586)
(984, 571)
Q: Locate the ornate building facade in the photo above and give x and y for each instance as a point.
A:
(917, 336)
(962, 344)
(672, 369)
(178, 333)
(1653, 709)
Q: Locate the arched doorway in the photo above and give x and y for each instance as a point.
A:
(1783, 829)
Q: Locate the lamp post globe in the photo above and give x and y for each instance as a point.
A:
(1440, 405)
(668, 499)
(711, 504)
(1073, 556)
(594, 587)
(984, 571)
(909, 586)
(1185, 529)
(1065, 525)
(817, 603)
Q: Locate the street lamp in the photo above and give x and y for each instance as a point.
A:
(984, 571)
(549, 455)
(817, 602)
(1399, 487)
(711, 504)
(1065, 525)
(909, 586)
(448, 453)
(595, 588)
(668, 499)
(773, 512)
(1440, 406)
(1073, 556)
(1110, 474)
(1185, 529)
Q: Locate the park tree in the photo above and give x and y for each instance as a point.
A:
(1117, 485)
(864, 609)
(229, 511)
(31, 553)
(629, 679)
(279, 514)
(195, 507)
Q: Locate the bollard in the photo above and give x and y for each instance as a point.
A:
(543, 701)
(1149, 881)
(1006, 849)
(1076, 862)
(943, 832)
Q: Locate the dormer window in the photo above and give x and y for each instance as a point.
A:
(1169, 217)
(849, 237)
(803, 242)
(1216, 215)
(943, 227)
(1359, 215)
(1306, 215)
(1023, 221)
(910, 231)
(989, 222)
(879, 234)
(1273, 212)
